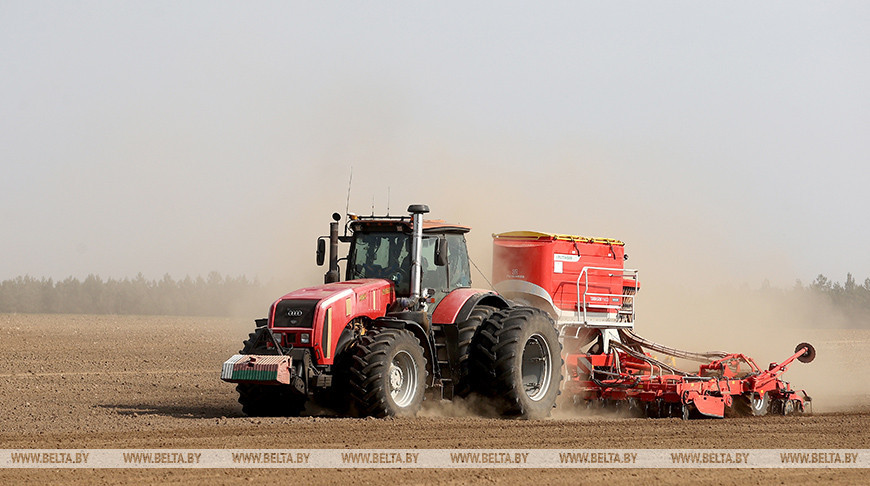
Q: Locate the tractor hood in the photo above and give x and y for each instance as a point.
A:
(312, 306)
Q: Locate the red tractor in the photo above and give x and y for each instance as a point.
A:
(405, 324)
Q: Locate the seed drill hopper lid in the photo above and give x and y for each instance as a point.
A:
(536, 235)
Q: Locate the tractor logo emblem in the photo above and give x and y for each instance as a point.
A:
(294, 313)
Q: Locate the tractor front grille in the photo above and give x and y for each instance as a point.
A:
(295, 313)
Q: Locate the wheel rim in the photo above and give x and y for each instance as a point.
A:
(536, 367)
(402, 379)
(757, 402)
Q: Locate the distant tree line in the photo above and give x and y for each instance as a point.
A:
(850, 297)
(215, 295)
(218, 295)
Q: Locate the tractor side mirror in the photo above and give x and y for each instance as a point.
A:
(321, 251)
(441, 252)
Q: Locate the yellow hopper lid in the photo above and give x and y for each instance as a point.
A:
(536, 235)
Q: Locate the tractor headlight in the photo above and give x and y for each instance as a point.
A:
(305, 338)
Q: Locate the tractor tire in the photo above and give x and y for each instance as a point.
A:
(750, 406)
(387, 374)
(465, 384)
(516, 361)
(267, 400)
(481, 359)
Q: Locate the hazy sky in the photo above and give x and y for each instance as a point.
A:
(722, 141)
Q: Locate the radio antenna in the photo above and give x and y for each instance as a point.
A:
(388, 200)
(347, 204)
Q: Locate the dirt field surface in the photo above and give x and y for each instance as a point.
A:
(118, 382)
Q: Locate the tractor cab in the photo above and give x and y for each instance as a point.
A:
(382, 247)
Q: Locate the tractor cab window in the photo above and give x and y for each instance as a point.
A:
(460, 273)
(434, 277)
(382, 255)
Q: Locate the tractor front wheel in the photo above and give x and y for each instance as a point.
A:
(267, 400)
(388, 374)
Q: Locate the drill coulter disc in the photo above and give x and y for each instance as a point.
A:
(686, 411)
(809, 354)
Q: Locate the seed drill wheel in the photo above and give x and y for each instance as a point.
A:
(752, 404)
(267, 400)
(686, 411)
(388, 374)
(516, 361)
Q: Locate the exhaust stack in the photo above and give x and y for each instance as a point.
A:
(417, 211)
(332, 275)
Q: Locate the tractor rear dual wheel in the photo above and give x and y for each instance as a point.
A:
(467, 329)
(516, 362)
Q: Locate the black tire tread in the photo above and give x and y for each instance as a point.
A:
(467, 330)
(481, 364)
(494, 357)
(369, 364)
(743, 406)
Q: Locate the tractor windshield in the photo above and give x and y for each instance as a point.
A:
(382, 255)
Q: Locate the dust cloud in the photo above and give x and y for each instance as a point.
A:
(470, 406)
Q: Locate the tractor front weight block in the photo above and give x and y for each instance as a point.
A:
(260, 369)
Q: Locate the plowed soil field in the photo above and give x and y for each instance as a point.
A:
(119, 382)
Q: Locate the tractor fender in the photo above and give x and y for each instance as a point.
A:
(417, 330)
(345, 339)
(458, 304)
